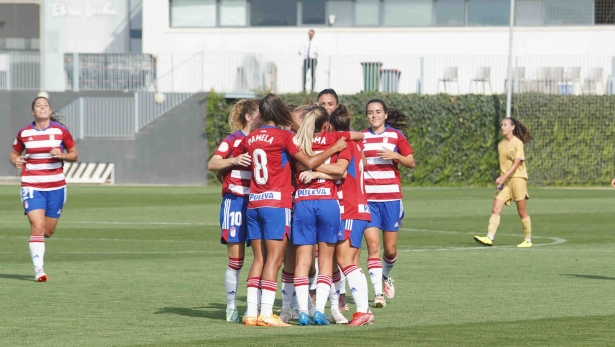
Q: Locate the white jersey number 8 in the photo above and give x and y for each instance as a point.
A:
(261, 175)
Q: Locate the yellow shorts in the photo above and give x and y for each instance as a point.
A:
(515, 189)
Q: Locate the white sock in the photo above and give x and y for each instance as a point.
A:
(269, 289)
(302, 288)
(232, 280)
(37, 251)
(252, 297)
(358, 287)
(342, 283)
(288, 288)
(323, 289)
(313, 279)
(387, 265)
(374, 266)
(334, 295)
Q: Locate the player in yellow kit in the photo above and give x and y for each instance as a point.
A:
(512, 183)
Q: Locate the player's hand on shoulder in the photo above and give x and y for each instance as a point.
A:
(243, 159)
(340, 144)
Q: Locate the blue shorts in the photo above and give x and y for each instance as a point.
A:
(386, 215)
(316, 221)
(51, 201)
(268, 223)
(233, 222)
(353, 230)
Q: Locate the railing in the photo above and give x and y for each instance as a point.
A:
(117, 116)
(20, 70)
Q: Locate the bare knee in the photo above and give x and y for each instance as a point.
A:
(390, 251)
(523, 214)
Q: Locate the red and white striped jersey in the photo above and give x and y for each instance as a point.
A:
(237, 180)
(320, 189)
(41, 171)
(382, 180)
(271, 149)
(351, 191)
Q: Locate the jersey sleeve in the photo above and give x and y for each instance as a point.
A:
(403, 147)
(519, 153)
(67, 140)
(18, 145)
(224, 149)
(290, 144)
(239, 150)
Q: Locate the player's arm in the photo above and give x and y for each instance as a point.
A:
(387, 154)
(338, 168)
(504, 177)
(309, 176)
(356, 136)
(613, 183)
(218, 163)
(16, 159)
(71, 154)
(312, 162)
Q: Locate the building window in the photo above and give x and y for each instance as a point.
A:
(367, 12)
(407, 13)
(313, 11)
(341, 10)
(489, 12)
(193, 13)
(450, 13)
(233, 13)
(580, 12)
(273, 13)
(528, 13)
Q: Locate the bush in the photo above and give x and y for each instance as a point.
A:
(455, 137)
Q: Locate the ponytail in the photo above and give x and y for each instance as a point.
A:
(340, 118)
(237, 118)
(395, 118)
(521, 131)
(312, 122)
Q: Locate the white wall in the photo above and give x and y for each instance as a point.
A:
(342, 50)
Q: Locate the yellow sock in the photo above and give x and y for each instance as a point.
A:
(494, 222)
(527, 228)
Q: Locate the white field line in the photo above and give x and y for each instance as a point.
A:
(555, 240)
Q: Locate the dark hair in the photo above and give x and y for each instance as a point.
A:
(272, 109)
(291, 108)
(328, 91)
(520, 131)
(237, 119)
(340, 118)
(54, 117)
(395, 118)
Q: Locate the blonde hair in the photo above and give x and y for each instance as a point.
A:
(312, 122)
(237, 118)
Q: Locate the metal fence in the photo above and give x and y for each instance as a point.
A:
(117, 116)
(20, 71)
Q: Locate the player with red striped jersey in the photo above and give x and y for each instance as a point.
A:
(271, 148)
(235, 175)
(43, 185)
(385, 147)
(355, 216)
(316, 217)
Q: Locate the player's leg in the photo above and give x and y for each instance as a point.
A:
(255, 235)
(393, 214)
(335, 293)
(37, 243)
(372, 239)
(313, 276)
(277, 231)
(304, 257)
(521, 196)
(55, 203)
(494, 220)
(289, 296)
(236, 255)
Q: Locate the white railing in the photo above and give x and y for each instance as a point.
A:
(20, 70)
(117, 116)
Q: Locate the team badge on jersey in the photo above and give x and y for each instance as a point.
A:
(223, 147)
(233, 231)
(25, 204)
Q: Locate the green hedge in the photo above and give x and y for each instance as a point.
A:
(455, 137)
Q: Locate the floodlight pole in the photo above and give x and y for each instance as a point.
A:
(510, 60)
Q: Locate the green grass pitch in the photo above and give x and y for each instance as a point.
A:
(142, 266)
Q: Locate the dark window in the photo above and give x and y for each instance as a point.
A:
(313, 12)
(488, 12)
(273, 12)
(605, 12)
(450, 13)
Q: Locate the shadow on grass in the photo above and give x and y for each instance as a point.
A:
(216, 311)
(17, 277)
(591, 277)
